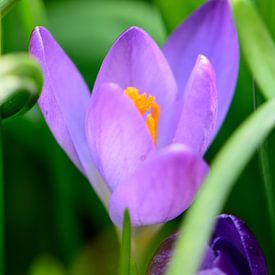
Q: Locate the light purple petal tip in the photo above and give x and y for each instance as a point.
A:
(64, 101)
(54, 62)
(199, 112)
(161, 189)
(136, 60)
(209, 31)
(118, 137)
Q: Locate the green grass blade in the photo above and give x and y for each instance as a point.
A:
(125, 253)
(257, 45)
(226, 168)
(265, 166)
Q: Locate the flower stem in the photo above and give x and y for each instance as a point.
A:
(125, 253)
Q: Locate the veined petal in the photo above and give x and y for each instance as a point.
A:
(161, 189)
(135, 60)
(209, 31)
(118, 137)
(63, 102)
(199, 112)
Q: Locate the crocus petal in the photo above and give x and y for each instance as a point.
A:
(63, 102)
(235, 232)
(135, 60)
(209, 31)
(118, 137)
(198, 118)
(161, 189)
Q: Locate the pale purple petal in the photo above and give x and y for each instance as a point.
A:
(199, 113)
(135, 60)
(117, 134)
(161, 189)
(209, 31)
(64, 101)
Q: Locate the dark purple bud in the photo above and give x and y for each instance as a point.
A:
(232, 250)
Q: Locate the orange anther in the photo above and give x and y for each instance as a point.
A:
(147, 107)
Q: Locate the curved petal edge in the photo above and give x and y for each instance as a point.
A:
(63, 102)
(161, 189)
(118, 137)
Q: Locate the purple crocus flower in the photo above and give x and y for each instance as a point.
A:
(140, 137)
(232, 250)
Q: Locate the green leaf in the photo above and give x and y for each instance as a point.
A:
(257, 45)
(175, 11)
(226, 168)
(267, 179)
(125, 253)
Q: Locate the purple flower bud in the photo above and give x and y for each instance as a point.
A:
(232, 250)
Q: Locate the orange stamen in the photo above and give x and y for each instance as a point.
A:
(146, 104)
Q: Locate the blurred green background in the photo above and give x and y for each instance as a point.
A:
(54, 222)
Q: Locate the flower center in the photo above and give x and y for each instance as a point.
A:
(147, 107)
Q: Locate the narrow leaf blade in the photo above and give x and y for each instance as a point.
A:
(125, 253)
(226, 167)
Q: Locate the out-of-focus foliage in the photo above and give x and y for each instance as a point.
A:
(174, 11)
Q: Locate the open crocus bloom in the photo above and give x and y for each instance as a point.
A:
(140, 137)
(232, 250)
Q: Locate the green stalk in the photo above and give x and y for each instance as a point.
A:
(125, 253)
